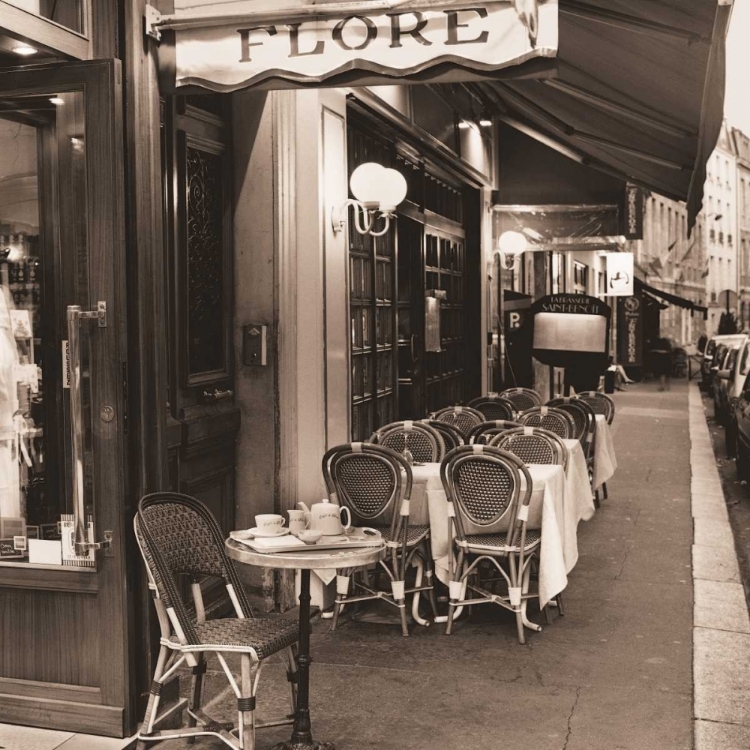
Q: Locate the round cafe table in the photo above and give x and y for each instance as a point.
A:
(304, 561)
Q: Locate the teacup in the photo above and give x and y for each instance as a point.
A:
(297, 521)
(269, 523)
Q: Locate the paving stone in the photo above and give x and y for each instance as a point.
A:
(712, 735)
(710, 533)
(30, 738)
(714, 511)
(714, 564)
(636, 719)
(720, 605)
(721, 665)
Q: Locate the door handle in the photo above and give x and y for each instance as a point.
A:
(82, 542)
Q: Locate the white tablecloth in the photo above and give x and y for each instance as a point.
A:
(558, 502)
(605, 461)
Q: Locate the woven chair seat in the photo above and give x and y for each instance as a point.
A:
(414, 536)
(533, 537)
(264, 635)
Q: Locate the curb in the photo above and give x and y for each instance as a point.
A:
(721, 627)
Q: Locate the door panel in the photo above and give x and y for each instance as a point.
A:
(65, 620)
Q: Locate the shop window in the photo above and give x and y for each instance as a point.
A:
(580, 277)
(70, 14)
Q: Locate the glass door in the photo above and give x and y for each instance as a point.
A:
(62, 419)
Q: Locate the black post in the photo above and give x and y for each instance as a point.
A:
(302, 731)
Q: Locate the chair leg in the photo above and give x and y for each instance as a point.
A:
(290, 658)
(196, 693)
(560, 606)
(454, 589)
(431, 583)
(246, 704)
(597, 503)
(397, 591)
(154, 696)
(342, 590)
(604, 491)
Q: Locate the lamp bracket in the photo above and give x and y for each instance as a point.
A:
(364, 217)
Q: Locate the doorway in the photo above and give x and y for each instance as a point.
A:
(64, 660)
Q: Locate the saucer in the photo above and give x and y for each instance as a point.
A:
(255, 532)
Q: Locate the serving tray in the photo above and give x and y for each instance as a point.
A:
(355, 538)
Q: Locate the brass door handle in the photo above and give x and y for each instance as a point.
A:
(215, 395)
(74, 314)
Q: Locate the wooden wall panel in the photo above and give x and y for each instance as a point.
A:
(50, 637)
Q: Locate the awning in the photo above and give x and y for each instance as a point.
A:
(673, 299)
(639, 92)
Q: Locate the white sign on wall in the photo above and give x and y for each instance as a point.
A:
(619, 274)
(368, 47)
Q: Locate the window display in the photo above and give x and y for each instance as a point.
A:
(32, 497)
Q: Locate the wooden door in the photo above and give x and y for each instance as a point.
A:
(372, 308)
(203, 419)
(64, 650)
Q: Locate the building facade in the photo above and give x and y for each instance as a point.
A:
(720, 221)
(742, 150)
(672, 262)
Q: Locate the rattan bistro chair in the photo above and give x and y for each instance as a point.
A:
(601, 403)
(375, 483)
(484, 487)
(483, 433)
(522, 398)
(461, 417)
(424, 442)
(549, 418)
(452, 436)
(581, 415)
(177, 535)
(533, 445)
(494, 407)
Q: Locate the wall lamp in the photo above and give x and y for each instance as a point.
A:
(510, 245)
(378, 191)
(513, 243)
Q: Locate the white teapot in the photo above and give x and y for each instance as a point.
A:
(325, 517)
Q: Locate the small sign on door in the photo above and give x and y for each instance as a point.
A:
(65, 364)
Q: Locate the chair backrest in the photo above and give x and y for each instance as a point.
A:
(461, 417)
(482, 433)
(600, 403)
(578, 412)
(549, 418)
(178, 534)
(533, 445)
(373, 481)
(522, 398)
(494, 407)
(452, 436)
(484, 485)
(425, 444)
(590, 437)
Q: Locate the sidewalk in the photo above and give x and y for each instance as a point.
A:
(615, 673)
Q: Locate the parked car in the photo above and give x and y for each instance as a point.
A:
(741, 430)
(735, 381)
(708, 357)
(727, 370)
(717, 361)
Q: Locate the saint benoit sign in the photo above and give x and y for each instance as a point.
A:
(368, 47)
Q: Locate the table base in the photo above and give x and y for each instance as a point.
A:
(303, 745)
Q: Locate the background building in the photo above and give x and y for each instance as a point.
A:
(742, 151)
(720, 223)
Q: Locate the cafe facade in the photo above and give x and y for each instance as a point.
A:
(189, 300)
